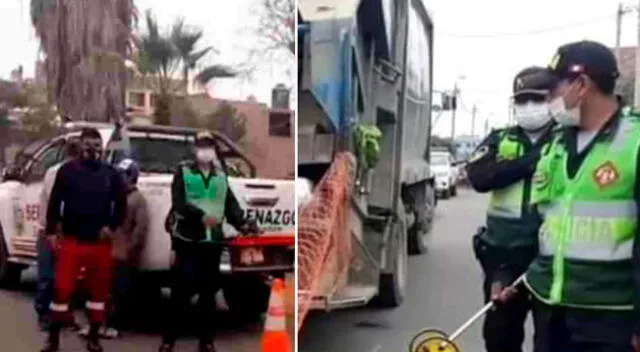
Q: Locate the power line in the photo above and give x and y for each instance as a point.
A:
(531, 32)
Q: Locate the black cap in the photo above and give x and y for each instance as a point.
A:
(585, 57)
(534, 80)
(204, 138)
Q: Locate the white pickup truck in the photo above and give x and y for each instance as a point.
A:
(246, 263)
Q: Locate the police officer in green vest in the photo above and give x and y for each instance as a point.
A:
(201, 201)
(585, 277)
(503, 165)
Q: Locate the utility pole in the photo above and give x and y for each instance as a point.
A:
(473, 120)
(636, 95)
(453, 111)
(618, 30)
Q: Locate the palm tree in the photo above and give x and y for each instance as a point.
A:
(163, 57)
(86, 44)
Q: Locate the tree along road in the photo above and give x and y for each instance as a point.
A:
(444, 290)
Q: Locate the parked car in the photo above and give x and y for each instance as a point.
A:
(446, 174)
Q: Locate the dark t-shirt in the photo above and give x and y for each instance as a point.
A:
(86, 197)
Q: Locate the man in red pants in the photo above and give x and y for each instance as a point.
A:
(87, 205)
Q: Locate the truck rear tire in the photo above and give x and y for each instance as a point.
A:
(246, 296)
(418, 235)
(10, 273)
(392, 288)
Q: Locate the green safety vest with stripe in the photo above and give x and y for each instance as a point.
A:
(211, 199)
(509, 223)
(586, 239)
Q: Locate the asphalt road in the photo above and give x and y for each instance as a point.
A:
(18, 329)
(444, 290)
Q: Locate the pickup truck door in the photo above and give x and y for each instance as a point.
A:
(29, 197)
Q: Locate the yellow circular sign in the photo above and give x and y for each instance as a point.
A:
(424, 335)
(436, 344)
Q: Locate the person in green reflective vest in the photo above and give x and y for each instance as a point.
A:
(201, 201)
(503, 165)
(584, 280)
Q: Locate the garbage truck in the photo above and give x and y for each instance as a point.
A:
(365, 190)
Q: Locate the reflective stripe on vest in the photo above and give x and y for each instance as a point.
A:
(507, 202)
(590, 220)
(601, 231)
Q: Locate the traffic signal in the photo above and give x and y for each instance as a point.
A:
(449, 102)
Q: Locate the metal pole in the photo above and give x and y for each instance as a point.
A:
(453, 111)
(636, 99)
(618, 30)
(480, 313)
(473, 120)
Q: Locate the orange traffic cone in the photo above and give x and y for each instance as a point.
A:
(274, 337)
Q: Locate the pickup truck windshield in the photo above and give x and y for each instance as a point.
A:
(157, 155)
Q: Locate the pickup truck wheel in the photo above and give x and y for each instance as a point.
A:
(247, 297)
(10, 273)
(453, 191)
(393, 284)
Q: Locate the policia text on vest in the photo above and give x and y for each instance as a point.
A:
(503, 164)
(587, 267)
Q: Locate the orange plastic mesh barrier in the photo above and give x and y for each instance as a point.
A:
(324, 242)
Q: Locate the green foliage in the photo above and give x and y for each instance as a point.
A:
(166, 54)
(228, 121)
(39, 122)
(4, 118)
(367, 140)
(39, 118)
(184, 113)
(162, 56)
(162, 110)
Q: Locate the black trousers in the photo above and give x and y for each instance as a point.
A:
(503, 328)
(196, 271)
(122, 295)
(560, 329)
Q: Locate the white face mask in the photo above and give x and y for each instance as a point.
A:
(559, 112)
(206, 155)
(532, 116)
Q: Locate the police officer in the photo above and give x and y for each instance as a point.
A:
(201, 200)
(503, 165)
(585, 277)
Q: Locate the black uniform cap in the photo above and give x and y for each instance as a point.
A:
(585, 57)
(534, 80)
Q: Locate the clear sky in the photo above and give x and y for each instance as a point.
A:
(226, 24)
(484, 41)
